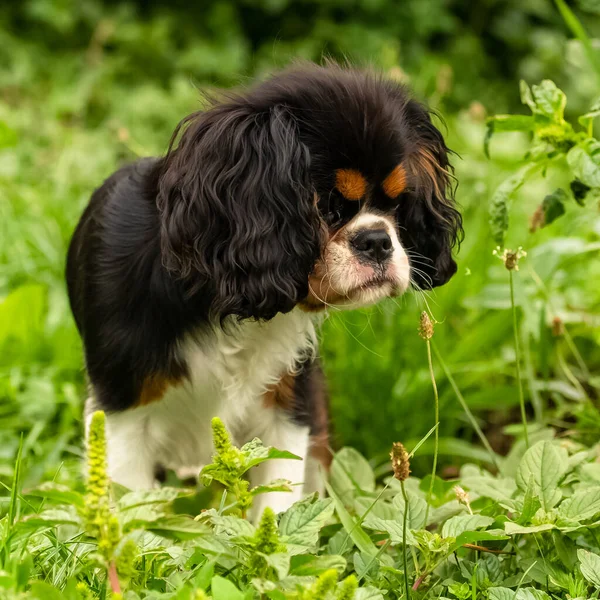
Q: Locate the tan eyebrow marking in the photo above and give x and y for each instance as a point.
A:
(393, 185)
(350, 183)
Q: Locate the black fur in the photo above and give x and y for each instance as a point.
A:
(232, 220)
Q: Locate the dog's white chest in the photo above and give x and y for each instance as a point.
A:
(229, 374)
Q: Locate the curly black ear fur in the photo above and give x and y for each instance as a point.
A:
(238, 211)
(430, 223)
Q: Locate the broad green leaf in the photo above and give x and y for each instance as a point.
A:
(501, 199)
(256, 453)
(368, 593)
(582, 505)
(531, 504)
(280, 562)
(44, 591)
(393, 528)
(302, 522)
(549, 100)
(231, 527)
(590, 566)
(584, 160)
(456, 525)
(309, 564)
(223, 589)
(417, 510)
(58, 494)
(472, 537)
(545, 464)
(353, 529)
(350, 471)
(179, 527)
(50, 518)
(138, 498)
(515, 529)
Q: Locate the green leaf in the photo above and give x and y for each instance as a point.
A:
(302, 522)
(353, 529)
(138, 498)
(308, 564)
(223, 589)
(590, 566)
(472, 537)
(501, 199)
(549, 100)
(50, 518)
(513, 123)
(553, 206)
(180, 527)
(544, 464)
(526, 95)
(456, 525)
(280, 561)
(256, 453)
(368, 593)
(277, 485)
(229, 526)
(515, 529)
(350, 471)
(417, 510)
(582, 505)
(392, 527)
(531, 504)
(44, 591)
(584, 160)
(58, 494)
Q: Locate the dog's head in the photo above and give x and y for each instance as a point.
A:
(322, 186)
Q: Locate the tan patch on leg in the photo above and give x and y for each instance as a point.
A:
(281, 394)
(154, 388)
(395, 183)
(350, 183)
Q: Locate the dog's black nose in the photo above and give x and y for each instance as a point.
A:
(374, 244)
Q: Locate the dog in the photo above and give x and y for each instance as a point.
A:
(197, 279)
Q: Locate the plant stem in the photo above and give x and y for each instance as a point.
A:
(436, 438)
(404, 527)
(466, 408)
(113, 578)
(518, 358)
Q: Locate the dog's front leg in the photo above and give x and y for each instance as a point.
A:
(283, 434)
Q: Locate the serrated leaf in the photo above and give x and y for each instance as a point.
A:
(309, 564)
(584, 160)
(58, 494)
(280, 561)
(393, 528)
(515, 529)
(180, 527)
(582, 505)
(302, 522)
(589, 564)
(350, 471)
(456, 525)
(417, 510)
(368, 593)
(162, 495)
(256, 453)
(549, 100)
(223, 589)
(544, 464)
(50, 518)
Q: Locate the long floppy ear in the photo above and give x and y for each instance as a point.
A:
(431, 223)
(238, 210)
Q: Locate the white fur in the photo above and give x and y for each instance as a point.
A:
(230, 373)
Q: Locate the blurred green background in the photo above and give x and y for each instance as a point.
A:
(86, 85)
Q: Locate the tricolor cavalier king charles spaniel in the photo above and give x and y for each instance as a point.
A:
(196, 278)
